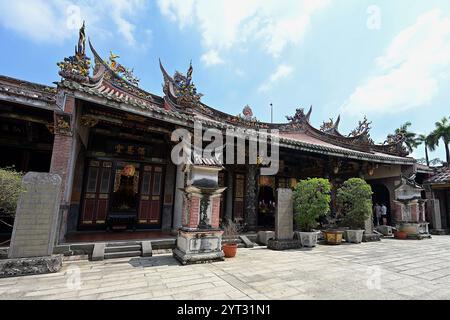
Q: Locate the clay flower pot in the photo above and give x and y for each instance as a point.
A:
(230, 250)
(333, 236)
(400, 235)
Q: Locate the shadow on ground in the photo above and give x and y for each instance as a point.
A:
(159, 261)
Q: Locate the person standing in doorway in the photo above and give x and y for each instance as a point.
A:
(384, 214)
(377, 213)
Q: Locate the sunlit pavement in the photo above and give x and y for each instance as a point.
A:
(390, 269)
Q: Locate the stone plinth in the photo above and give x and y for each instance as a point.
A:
(36, 218)
(30, 266)
(284, 222)
(265, 236)
(195, 246)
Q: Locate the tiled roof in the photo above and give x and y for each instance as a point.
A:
(26, 92)
(442, 176)
(315, 145)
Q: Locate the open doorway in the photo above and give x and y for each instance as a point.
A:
(266, 207)
(381, 196)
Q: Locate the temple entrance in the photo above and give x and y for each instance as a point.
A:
(122, 195)
(266, 202)
(381, 196)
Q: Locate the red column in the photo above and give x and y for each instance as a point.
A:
(62, 156)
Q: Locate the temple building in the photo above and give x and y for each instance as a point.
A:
(110, 141)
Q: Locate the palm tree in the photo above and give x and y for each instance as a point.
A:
(426, 140)
(411, 140)
(442, 132)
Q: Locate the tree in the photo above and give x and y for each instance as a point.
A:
(410, 137)
(441, 132)
(355, 199)
(426, 140)
(311, 201)
(10, 190)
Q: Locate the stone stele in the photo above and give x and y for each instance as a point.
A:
(35, 225)
(284, 224)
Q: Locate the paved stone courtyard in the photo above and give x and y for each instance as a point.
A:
(391, 269)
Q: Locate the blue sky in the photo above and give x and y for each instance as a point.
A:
(389, 60)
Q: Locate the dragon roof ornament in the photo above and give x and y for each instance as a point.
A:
(77, 67)
(394, 143)
(120, 70)
(331, 126)
(300, 116)
(180, 88)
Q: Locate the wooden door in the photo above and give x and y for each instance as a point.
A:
(151, 195)
(97, 191)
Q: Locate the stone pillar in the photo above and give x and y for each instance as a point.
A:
(434, 214)
(251, 200)
(230, 194)
(178, 205)
(63, 157)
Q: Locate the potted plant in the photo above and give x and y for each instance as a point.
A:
(230, 231)
(355, 199)
(400, 232)
(311, 201)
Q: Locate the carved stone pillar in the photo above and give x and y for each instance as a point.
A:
(251, 200)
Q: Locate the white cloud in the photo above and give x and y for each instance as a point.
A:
(282, 71)
(227, 23)
(53, 21)
(409, 73)
(211, 58)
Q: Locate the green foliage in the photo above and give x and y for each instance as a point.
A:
(441, 133)
(355, 198)
(411, 140)
(311, 201)
(10, 190)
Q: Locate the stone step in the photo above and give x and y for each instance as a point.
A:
(110, 249)
(123, 244)
(125, 254)
(252, 236)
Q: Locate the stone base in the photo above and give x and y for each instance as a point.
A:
(278, 245)
(199, 246)
(194, 258)
(387, 231)
(265, 236)
(419, 236)
(371, 237)
(440, 232)
(30, 266)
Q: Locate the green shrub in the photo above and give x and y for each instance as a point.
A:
(355, 200)
(311, 201)
(10, 190)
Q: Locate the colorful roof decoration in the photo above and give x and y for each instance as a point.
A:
(115, 86)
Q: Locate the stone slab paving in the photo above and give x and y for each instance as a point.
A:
(390, 269)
